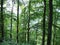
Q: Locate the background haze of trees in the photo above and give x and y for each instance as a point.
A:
(29, 22)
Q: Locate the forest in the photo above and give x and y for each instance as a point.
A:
(29, 22)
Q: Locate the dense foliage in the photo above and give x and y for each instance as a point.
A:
(29, 22)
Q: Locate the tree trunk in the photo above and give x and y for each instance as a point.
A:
(50, 23)
(11, 20)
(28, 23)
(17, 20)
(2, 22)
(36, 35)
(54, 34)
(43, 39)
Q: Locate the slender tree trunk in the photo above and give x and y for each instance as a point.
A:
(17, 20)
(11, 20)
(54, 34)
(36, 35)
(28, 24)
(50, 23)
(43, 39)
(2, 22)
(25, 26)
